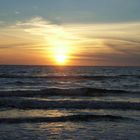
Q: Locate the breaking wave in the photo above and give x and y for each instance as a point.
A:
(65, 92)
(26, 103)
(72, 118)
(95, 77)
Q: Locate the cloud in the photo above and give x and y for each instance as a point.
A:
(110, 43)
(17, 12)
(39, 26)
(1, 22)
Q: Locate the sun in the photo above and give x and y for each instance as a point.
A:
(61, 55)
(60, 47)
(61, 59)
(60, 52)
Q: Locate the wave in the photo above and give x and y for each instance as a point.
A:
(95, 77)
(66, 92)
(72, 118)
(23, 103)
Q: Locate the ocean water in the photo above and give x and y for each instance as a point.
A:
(47, 102)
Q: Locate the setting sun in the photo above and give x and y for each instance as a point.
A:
(59, 50)
(60, 55)
(61, 59)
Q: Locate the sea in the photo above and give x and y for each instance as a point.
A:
(69, 103)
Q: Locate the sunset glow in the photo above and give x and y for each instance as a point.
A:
(67, 66)
(70, 37)
(61, 59)
(60, 48)
(60, 54)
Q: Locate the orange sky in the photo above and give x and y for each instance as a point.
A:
(40, 42)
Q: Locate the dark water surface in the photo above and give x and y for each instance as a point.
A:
(42, 102)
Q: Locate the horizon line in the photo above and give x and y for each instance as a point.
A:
(70, 65)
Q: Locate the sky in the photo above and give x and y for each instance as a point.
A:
(70, 32)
